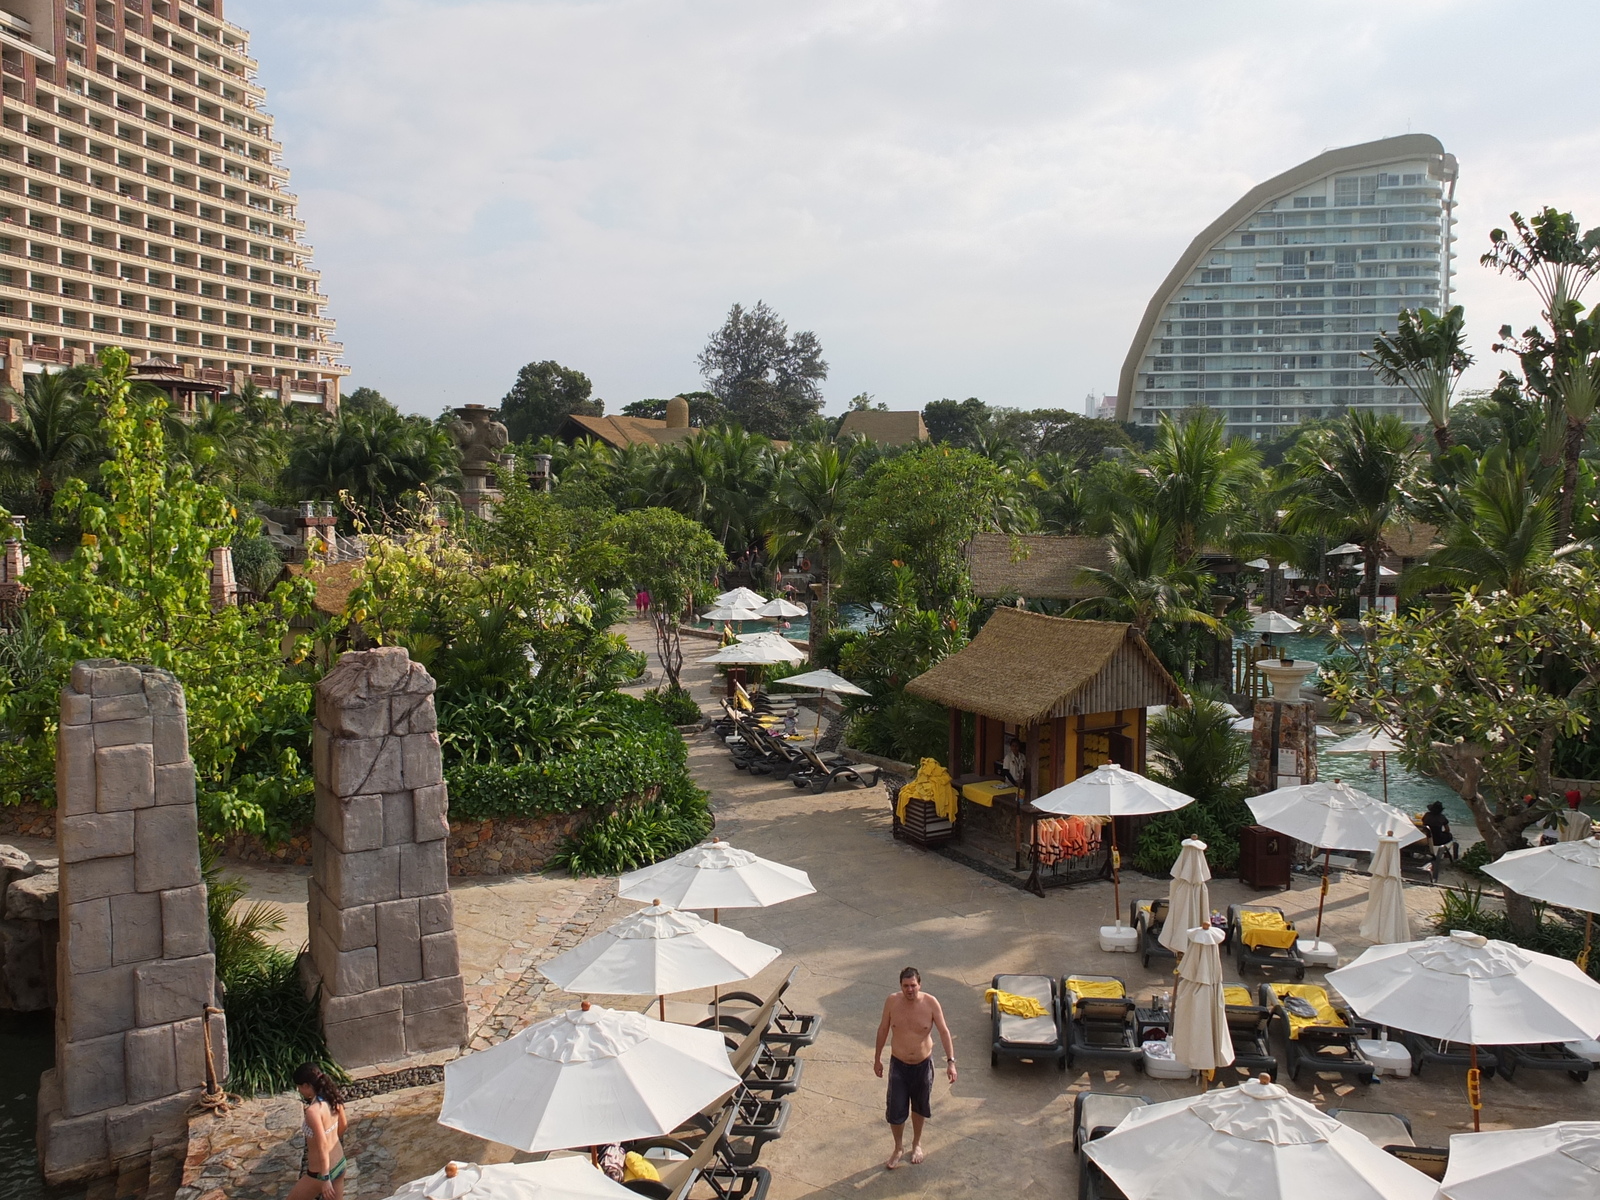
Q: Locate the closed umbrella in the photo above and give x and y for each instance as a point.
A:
(1387, 920)
(1331, 816)
(569, 1178)
(716, 875)
(1467, 988)
(655, 951)
(1562, 1159)
(1200, 1038)
(1567, 874)
(1189, 899)
(741, 597)
(587, 1077)
(1112, 791)
(1254, 1141)
(779, 608)
(1370, 741)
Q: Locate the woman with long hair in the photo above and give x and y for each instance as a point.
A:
(323, 1164)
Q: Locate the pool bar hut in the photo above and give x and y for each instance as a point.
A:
(1076, 694)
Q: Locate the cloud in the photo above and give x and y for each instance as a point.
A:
(959, 198)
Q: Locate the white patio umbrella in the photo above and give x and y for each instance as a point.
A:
(1112, 791)
(1567, 874)
(762, 649)
(571, 1178)
(655, 951)
(1386, 920)
(779, 608)
(1200, 1038)
(1254, 1141)
(730, 612)
(1562, 1159)
(1466, 988)
(1347, 548)
(587, 1077)
(1370, 741)
(716, 875)
(741, 597)
(1274, 622)
(1188, 899)
(1331, 816)
(823, 681)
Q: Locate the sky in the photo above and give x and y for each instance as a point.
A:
(960, 199)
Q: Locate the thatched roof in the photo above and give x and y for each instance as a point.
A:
(617, 432)
(901, 428)
(1038, 567)
(334, 583)
(1411, 541)
(1024, 667)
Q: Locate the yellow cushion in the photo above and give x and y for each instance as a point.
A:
(637, 1166)
(1237, 996)
(1107, 989)
(1317, 997)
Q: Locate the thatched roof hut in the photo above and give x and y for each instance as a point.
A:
(901, 428)
(1036, 566)
(1024, 668)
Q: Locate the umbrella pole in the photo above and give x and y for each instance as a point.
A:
(1588, 929)
(1384, 759)
(1116, 875)
(1474, 1086)
(662, 1001)
(1323, 897)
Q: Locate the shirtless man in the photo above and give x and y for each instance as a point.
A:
(909, 1018)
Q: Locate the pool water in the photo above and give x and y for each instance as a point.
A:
(851, 616)
(27, 1050)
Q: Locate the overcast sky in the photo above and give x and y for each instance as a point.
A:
(972, 198)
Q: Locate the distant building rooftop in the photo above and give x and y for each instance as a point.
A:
(886, 428)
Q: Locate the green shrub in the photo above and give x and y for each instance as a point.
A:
(639, 834)
(1216, 823)
(256, 563)
(1475, 857)
(1463, 909)
(679, 707)
(1195, 750)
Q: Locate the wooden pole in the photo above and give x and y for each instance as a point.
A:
(1322, 899)
(954, 749)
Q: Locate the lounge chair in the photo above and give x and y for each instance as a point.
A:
(1446, 1054)
(1324, 1042)
(1432, 1161)
(783, 1025)
(757, 1121)
(1260, 936)
(1096, 1114)
(818, 773)
(1382, 1129)
(1249, 1025)
(1149, 917)
(1099, 1018)
(761, 1070)
(1549, 1056)
(680, 1163)
(1030, 1038)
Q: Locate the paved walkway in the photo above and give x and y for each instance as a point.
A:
(880, 905)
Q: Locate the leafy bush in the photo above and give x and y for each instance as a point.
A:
(1196, 751)
(679, 707)
(1463, 909)
(1475, 857)
(530, 724)
(638, 835)
(256, 563)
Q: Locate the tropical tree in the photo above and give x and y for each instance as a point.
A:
(544, 395)
(1504, 532)
(222, 445)
(1352, 481)
(379, 464)
(54, 434)
(1146, 584)
(809, 513)
(766, 380)
(1426, 354)
(1198, 478)
(675, 559)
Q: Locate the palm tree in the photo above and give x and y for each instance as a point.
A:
(809, 511)
(1146, 584)
(1352, 481)
(1199, 478)
(1504, 532)
(54, 433)
(380, 460)
(220, 441)
(1426, 355)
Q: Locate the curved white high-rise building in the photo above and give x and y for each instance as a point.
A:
(1266, 315)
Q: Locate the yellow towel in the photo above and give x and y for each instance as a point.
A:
(1266, 929)
(932, 783)
(637, 1166)
(1017, 1006)
(1317, 997)
(1106, 989)
(1238, 997)
(986, 791)
(742, 698)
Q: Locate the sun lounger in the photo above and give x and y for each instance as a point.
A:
(763, 1071)
(1260, 936)
(818, 774)
(1095, 1114)
(1099, 1019)
(679, 1163)
(1432, 1161)
(1382, 1129)
(1446, 1054)
(1324, 1041)
(783, 1025)
(1149, 917)
(1031, 1038)
(1549, 1056)
(757, 1121)
(1249, 1025)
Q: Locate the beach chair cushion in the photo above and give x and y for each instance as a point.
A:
(1317, 997)
(1101, 1110)
(1088, 986)
(1266, 929)
(1027, 1031)
(1237, 996)
(1379, 1128)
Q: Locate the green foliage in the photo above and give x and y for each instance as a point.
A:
(675, 558)
(367, 401)
(1196, 751)
(678, 706)
(1463, 909)
(544, 395)
(637, 835)
(256, 563)
(956, 422)
(767, 381)
(1474, 859)
(380, 465)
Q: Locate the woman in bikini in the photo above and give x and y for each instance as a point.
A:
(322, 1167)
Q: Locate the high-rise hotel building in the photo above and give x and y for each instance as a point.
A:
(1266, 315)
(143, 201)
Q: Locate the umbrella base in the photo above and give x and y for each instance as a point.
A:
(1318, 953)
(1119, 939)
(1391, 1058)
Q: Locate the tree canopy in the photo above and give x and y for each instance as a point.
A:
(766, 380)
(544, 395)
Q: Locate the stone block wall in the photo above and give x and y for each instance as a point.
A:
(382, 931)
(1297, 745)
(28, 931)
(135, 968)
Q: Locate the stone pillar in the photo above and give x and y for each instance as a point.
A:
(382, 931)
(224, 586)
(135, 966)
(1283, 745)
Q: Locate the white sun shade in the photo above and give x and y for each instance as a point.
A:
(716, 875)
